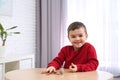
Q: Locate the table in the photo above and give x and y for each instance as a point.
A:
(35, 74)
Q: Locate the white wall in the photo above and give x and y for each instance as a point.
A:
(23, 15)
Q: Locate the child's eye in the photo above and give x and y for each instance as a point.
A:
(72, 36)
(81, 35)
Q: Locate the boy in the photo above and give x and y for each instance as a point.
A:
(78, 57)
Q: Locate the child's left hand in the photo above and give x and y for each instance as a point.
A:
(73, 67)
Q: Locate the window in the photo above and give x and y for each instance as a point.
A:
(103, 25)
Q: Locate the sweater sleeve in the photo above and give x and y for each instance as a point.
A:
(58, 60)
(92, 62)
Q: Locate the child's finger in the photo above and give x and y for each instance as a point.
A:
(72, 65)
(54, 70)
(51, 70)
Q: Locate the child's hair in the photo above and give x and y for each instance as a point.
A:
(76, 25)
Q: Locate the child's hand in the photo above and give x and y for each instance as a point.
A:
(50, 70)
(73, 67)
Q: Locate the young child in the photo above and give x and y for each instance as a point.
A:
(78, 57)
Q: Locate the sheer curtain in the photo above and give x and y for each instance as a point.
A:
(102, 19)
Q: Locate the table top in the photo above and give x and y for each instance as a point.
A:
(35, 74)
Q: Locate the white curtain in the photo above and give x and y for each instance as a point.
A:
(102, 19)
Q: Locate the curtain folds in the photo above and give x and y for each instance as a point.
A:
(38, 34)
(48, 30)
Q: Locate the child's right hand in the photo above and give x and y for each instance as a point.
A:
(50, 70)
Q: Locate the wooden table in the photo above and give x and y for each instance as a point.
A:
(35, 74)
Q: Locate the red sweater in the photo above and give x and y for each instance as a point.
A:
(85, 58)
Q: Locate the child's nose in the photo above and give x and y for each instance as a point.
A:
(77, 38)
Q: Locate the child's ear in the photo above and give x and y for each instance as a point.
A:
(86, 35)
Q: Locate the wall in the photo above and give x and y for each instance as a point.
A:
(23, 15)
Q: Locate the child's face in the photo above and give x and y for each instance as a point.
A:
(77, 37)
